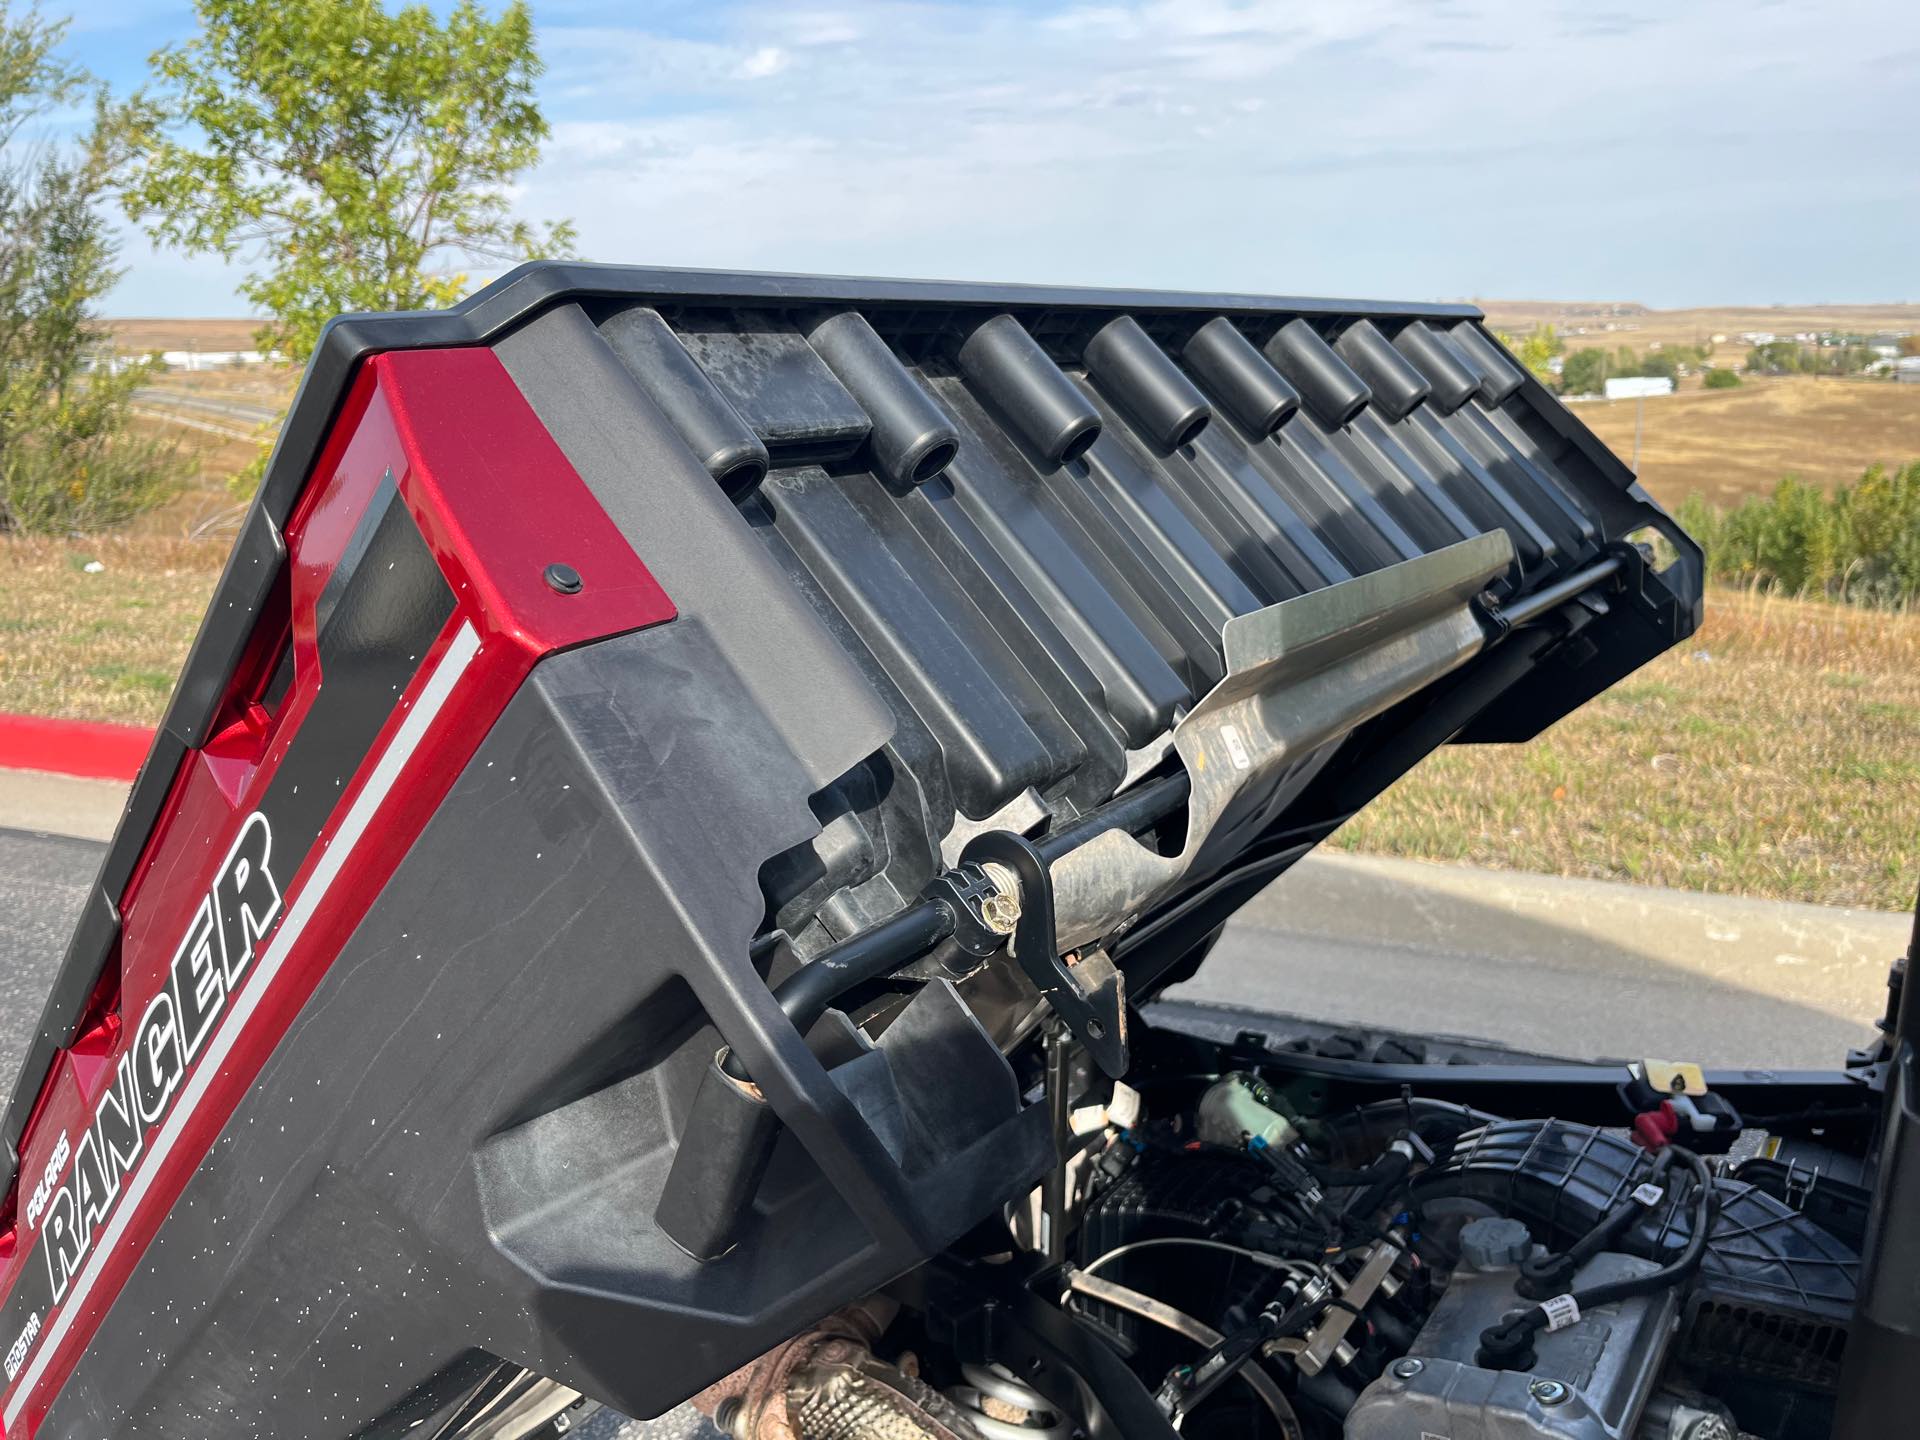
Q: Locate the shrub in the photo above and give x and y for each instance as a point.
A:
(1721, 378)
(1861, 544)
(68, 460)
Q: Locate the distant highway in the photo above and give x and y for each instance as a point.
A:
(216, 414)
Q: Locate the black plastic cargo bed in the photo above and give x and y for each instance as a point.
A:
(941, 560)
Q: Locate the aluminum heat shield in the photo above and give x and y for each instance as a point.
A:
(1299, 674)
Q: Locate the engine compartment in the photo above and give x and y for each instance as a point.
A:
(1256, 1238)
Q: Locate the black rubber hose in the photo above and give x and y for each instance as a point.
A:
(1505, 1345)
(1438, 1122)
(1383, 1168)
(1394, 1167)
(1543, 1276)
(810, 991)
(1339, 1179)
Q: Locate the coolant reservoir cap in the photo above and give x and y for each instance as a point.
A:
(1494, 1242)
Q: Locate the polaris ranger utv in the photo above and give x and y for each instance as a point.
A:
(655, 878)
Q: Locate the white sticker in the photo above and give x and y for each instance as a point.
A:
(1236, 747)
(1562, 1311)
(1649, 1194)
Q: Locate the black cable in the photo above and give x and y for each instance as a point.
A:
(1193, 1384)
(1146, 804)
(1543, 1276)
(1509, 1345)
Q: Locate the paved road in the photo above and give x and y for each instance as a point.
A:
(172, 398)
(41, 880)
(1566, 967)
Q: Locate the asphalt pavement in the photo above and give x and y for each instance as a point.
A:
(42, 878)
(1581, 968)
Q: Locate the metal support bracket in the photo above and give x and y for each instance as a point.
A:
(1087, 991)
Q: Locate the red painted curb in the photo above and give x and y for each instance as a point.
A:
(90, 749)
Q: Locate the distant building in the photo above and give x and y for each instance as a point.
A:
(1637, 387)
(1907, 370)
(216, 359)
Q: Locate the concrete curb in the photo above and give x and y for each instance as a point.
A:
(89, 749)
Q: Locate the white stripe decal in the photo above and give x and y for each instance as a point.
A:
(433, 696)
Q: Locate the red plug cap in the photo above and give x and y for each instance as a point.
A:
(1656, 1127)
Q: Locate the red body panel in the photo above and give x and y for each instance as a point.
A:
(496, 502)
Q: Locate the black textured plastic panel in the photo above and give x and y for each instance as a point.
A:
(1026, 519)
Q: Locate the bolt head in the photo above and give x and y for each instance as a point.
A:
(1000, 911)
(1550, 1392)
(562, 578)
(1409, 1367)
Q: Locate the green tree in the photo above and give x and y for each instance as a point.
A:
(348, 152)
(1861, 544)
(1535, 349)
(1585, 372)
(68, 460)
(1718, 377)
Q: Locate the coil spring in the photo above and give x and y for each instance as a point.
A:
(986, 1385)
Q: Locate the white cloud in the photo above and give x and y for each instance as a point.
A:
(767, 60)
(1718, 150)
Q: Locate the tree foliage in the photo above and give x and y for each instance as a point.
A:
(1535, 349)
(349, 152)
(1719, 377)
(1860, 544)
(68, 460)
(1587, 370)
(1787, 357)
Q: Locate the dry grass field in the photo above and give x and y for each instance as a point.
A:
(1610, 326)
(141, 334)
(1777, 753)
(215, 424)
(104, 646)
(1729, 444)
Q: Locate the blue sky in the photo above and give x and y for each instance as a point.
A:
(1705, 152)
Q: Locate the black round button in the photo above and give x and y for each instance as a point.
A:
(563, 579)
